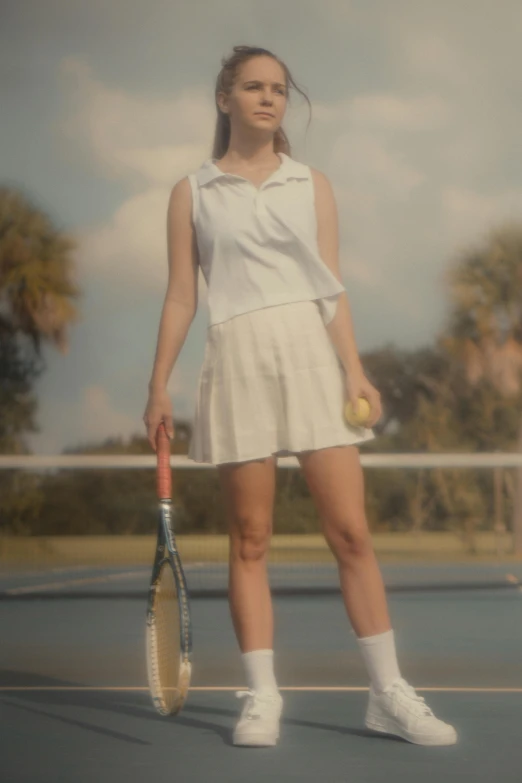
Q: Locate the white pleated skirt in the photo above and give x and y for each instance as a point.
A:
(270, 384)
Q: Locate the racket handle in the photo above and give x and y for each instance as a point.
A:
(163, 472)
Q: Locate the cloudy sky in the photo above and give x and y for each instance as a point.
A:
(416, 119)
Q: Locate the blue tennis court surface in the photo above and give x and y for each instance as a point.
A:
(75, 705)
(207, 579)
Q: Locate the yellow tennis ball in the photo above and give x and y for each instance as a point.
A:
(360, 416)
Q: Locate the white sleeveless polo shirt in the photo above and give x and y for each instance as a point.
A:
(258, 246)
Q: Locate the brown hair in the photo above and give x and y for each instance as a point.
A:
(225, 82)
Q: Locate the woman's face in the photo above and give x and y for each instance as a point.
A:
(260, 86)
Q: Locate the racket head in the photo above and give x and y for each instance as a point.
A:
(168, 642)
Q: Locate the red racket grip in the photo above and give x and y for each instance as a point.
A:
(163, 472)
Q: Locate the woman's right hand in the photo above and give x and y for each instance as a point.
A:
(159, 408)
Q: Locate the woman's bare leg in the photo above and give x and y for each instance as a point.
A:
(248, 489)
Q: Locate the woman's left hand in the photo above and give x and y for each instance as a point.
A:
(358, 385)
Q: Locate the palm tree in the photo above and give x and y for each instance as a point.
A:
(484, 331)
(36, 267)
(36, 293)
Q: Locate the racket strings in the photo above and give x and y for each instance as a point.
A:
(165, 637)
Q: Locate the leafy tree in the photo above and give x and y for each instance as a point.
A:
(36, 306)
(484, 331)
(36, 272)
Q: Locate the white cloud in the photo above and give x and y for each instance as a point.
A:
(391, 112)
(99, 415)
(372, 170)
(129, 136)
(84, 418)
(429, 53)
(470, 214)
(92, 415)
(130, 248)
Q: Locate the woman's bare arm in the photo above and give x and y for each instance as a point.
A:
(340, 328)
(181, 298)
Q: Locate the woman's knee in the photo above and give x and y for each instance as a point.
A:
(349, 540)
(250, 538)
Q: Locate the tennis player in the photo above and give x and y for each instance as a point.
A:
(280, 362)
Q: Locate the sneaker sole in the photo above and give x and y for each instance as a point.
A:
(256, 742)
(393, 728)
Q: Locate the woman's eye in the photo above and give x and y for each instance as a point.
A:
(254, 87)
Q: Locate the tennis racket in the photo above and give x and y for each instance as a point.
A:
(168, 630)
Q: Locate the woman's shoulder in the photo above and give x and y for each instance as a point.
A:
(180, 194)
(323, 189)
(181, 186)
(318, 176)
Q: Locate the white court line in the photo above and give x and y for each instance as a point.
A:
(45, 586)
(223, 688)
(90, 580)
(39, 573)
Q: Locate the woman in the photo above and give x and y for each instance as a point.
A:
(280, 362)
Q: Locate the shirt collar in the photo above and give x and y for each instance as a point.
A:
(289, 169)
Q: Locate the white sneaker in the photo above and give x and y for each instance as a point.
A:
(401, 712)
(259, 721)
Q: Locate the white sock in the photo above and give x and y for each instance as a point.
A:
(380, 658)
(259, 669)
